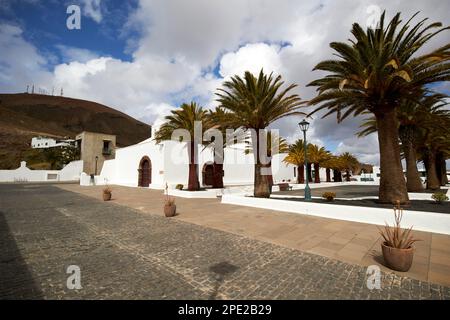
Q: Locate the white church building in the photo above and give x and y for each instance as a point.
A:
(151, 164)
(148, 164)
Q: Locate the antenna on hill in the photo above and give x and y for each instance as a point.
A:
(32, 89)
(53, 90)
(28, 87)
(62, 92)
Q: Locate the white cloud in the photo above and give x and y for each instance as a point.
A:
(20, 62)
(365, 149)
(76, 54)
(92, 9)
(251, 57)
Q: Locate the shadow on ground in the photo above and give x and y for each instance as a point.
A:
(16, 280)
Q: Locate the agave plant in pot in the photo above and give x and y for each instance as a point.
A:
(107, 192)
(397, 247)
(169, 204)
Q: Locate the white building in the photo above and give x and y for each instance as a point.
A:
(45, 142)
(148, 164)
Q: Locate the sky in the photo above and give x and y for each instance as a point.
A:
(146, 57)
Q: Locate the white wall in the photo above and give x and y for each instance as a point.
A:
(423, 221)
(170, 164)
(71, 172)
(123, 170)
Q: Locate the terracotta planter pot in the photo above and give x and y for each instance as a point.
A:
(397, 259)
(170, 210)
(106, 196)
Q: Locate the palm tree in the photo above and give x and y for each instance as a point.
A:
(411, 117)
(374, 73)
(332, 163)
(254, 103)
(296, 157)
(434, 138)
(184, 118)
(317, 155)
(348, 163)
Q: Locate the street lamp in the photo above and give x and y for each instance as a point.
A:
(96, 159)
(304, 125)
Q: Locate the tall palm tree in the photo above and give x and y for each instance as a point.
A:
(317, 155)
(348, 163)
(373, 73)
(411, 118)
(434, 138)
(254, 103)
(296, 157)
(184, 117)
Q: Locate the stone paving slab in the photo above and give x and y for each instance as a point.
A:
(347, 241)
(125, 254)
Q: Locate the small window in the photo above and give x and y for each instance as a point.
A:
(295, 172)
(106, 147)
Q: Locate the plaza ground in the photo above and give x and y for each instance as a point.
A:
(126, 249)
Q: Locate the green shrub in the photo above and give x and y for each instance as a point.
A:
(329, 196)
(439, 197)
(179, 186)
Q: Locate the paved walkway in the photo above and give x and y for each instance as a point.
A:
(346, 241)
(125, 254)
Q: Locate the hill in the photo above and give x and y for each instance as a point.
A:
(23, 116)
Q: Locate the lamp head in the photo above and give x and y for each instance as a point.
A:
(304, 125)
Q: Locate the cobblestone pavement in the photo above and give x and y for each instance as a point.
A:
(125, 254)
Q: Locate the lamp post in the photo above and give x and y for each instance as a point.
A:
(96, 159)
(304, 125)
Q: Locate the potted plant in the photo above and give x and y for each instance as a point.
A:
(439, 197)
(329, 196)
(107, 193)
(179, 186)
(397, 247)
(169, 204)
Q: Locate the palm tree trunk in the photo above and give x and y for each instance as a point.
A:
(309, 173)
(328, 171)
(300, 174)
(444, 171)
(270, 177)
(347, 173)
(193, 183)
(337, 177)
(261, 183)
(432, 177)
(441, 168)
(392, 182)
(218, 175)
(218, 169)
(413, 181)
(316, 173)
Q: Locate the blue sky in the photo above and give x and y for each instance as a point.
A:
(45, 25)
(145, 57)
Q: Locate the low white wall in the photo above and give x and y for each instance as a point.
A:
(419, 220)
(71, 172)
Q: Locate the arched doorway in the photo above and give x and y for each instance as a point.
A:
(208, 174)
(145, 172)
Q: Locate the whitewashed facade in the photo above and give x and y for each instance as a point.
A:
(170, 164)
